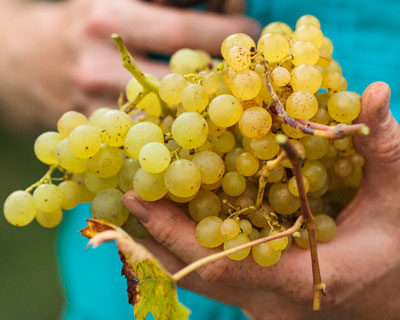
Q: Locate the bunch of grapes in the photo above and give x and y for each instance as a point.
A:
(205, 137)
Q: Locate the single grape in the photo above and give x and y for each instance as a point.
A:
(279, 27)
(95, 184)
(114, 126)
(46, 145)
(344, 106)
(154, 157)
(274, 46)
(185, 61)
(254, 235)
(182, 178)
(127, 173)
(235, 242)
(194, 98)
(233, 184)
(325, 227)
(230, 159)
(246, 85)
(107, 162)
(149, 186)
(255, 122)
(308, 32)
(343, 168)
(322, 116)
(68, 160)
(108, 206)
(208, 232)
(84, 141)
(190, 130)
(19, 208)
(211, 166)
(225, 110)
(71, 194)
(306, 77)
(69, 121)
(278, 244)
(277, 174)
(247, 164)
(47, 197)
(357, 160)
(264, 255)
(293, 188)
(211, 82)
(171, 87)
(49, 219)
(282, 200)
(291, 132)
(302, 105)
(265, 148)
(304, 52)
(327, 44)
(315, 147)
(230, 228)
(316, 174)
(308, 19)
(239, 58)
(223, 143)
(237, 39)
(151, 104)
(133, 89)
(302, 240)
(343, 144)
(205, 204)
(280, 76)
(96, 115)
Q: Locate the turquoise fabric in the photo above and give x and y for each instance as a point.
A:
(367, 45)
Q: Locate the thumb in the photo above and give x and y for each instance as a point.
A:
(381, 148)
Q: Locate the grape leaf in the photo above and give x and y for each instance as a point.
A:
(150, 287)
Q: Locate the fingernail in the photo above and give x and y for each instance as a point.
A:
(136, 207)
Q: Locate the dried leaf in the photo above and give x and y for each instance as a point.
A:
(150, 286)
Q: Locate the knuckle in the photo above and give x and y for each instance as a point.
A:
(167, 237)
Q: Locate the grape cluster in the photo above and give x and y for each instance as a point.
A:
(202, 139)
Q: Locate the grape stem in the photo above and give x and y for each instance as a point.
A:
(311, 128)
(307, 217)
(45, 179)
(267, 167)
(216, 256)
(129, 63)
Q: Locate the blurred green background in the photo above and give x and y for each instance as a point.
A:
(30, 287)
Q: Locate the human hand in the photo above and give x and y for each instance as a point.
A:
(67, 60)
(360, 266)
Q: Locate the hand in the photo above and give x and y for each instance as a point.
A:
(62, 56)
(360, 266)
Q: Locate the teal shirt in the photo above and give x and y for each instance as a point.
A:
(367, 46)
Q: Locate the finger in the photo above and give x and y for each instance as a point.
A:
(164, 29)
(381, 148)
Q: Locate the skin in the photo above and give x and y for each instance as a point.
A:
(74, 65)
(360, 266)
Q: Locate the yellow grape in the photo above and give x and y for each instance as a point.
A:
(245, 226)
(68, 160)
(225, 110)
(19, 208)
(246, 85)
(264, 255)
(190, 130)
(214, 130)
(308, 32)
(95, 184)
(45, 147)
(315, 147)
(265, 148)
(194, 98)
(205, 204)
(302, 241)
(127, 173)
(344, 106)
(325, 58)
(133, 89)
(291, 132)
(114, 125)
(107, 162)
(327, 44)
(151, 104)
(208, 232)
(71, 194)
(255, 122)
(84, 141)
(69, 121)
(280, 76)
(235, 242)
(230, 228)
(306, 77)
(293, 186)
(276, 175)
(282, 200)
(49, 219)
(96, 115)
(211, 82)
(247, 164)
(301, 105)
(343, 168)
(343, 144)
(304, 52)
(230, 159)
(149, 186)
(47, 197)
(279, 27)
(273, 46)
(322, 116)
(224, 143)
(325, 227)
(180, 199)
(237, 39)
(239, 58)
(211, 166)
(233, 184)
(185, 61)
(278, 244)
(316, 174)
(171, 87)
(154, 157)
(308, 19)
(182, 178)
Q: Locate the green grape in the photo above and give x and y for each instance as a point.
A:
(302, 105)
(255, 122)
(230, 228)
(325, 58)
(172, 145)
(211, 82)
(279, 27)
(302, 241)
(135, 229)
(327, 44)
(245, 227)
(133, 89)
(343, 144)
(316, 174)
(180, 199)
(225, 110)
(141, 134)
(264, 255)
(127, 173)
(276, 175)
(357, 160)
(96, 115)
(308, 19)
(211, 166)
(257, 218)
(291, 132)
(69, 121)
(280, 76)
(149, 186)
(300, 151)
(151, 104)
(235, 242)
(293, 186)
(239, 58)
(343, 168)
(114, 125)
(322, 116)
(71, 194)
(49, 219)
(185, 61)
(182, 178)
(334, 66)
(247, 164)
(237, 39)
(325, 227)
(19, 208)
(306, 77)
(95, 184)
(84, 141)
(344, 106)
(273, 46)
(108, 206)
(278, 244)
(154, 157)
(212, 186)
(194, 98)
(332, 81)
(205, 204)
(223, 143)
(304, 52)
(47, 197)
(233, 184)
(190, 130)
(265, 148)
(68, 160)
(282, 200)
(171, 87)
(208, 232)
(230, 159)
(45, 147)
(315, 147)
(107, 162)
(254, 235)
(308, 32)
(246, 85)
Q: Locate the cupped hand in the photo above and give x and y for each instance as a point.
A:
(360, 266)
(60, 56)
